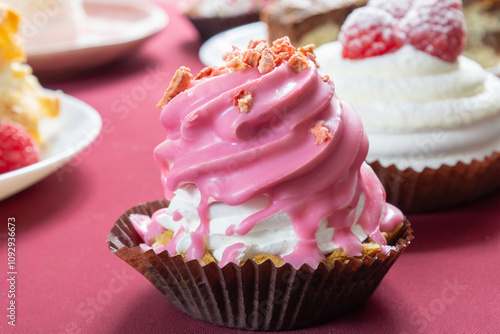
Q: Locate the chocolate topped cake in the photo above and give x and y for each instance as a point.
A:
(307, 21)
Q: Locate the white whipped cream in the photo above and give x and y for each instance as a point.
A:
(274, 235)
(220, 8)
(418, 110)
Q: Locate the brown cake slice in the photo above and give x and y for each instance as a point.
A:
(482, 18)
(307, 21)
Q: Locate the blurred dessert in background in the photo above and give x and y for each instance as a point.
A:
(211, 17)
(432, 115)
(22, 98)
(482, 18)
(307, 21)
(49, 20)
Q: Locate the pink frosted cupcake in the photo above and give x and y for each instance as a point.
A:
(270, 206)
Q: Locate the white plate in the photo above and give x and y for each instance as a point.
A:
(76, 127)
(112, 30)
(213, 49)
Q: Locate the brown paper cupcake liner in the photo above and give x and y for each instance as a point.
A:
(442, 188)
(251, 296)
(210, 26)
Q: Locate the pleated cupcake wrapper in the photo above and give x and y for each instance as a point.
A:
(442, 188)
(210, 26)
(255, 296)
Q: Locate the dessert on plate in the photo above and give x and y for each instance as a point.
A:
(22, 100)
(266, 187)
(482, 18)
(432, 115)
(211, 17)
(50, 21)
(307, 21)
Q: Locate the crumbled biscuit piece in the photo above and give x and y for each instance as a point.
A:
(211, 71)
(321, 132)
(279, 58)
(243, 100)
(261, 258)
(298, 63)
(251, 57)
(228, 56)
(266, 63)
(236, 64)
(308, 51)
(326, 78)
(283, 45)
(261, 46)
(180, 82)
(163, 238)
(257, 44)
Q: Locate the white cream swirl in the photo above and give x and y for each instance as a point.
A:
(220, 8)
(274, 235)
(418, 110)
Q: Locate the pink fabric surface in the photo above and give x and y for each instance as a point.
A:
(68, 281)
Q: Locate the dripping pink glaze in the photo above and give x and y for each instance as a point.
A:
(171, 246)
(177, 216)
(230, 230)
(233, 157)
(147, 228)
(230, 254)
(196, 249)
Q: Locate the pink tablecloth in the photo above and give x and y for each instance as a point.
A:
(69, 282)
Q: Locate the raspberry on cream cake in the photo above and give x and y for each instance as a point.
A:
(432, 115)
(268, 198)
(22, 99)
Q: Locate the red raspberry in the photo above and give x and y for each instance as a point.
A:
(369, 32)
(397, 8)
(436, 29)
(17, 147)
(439, 3)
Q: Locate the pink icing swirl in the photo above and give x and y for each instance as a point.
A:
(233, 157)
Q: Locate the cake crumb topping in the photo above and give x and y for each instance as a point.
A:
(243, 100)
(298, 63)
(259, 55)
(266, 63)
(321, 132)
(211, 71)
(180, 82)
(236, 64)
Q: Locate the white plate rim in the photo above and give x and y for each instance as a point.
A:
(157, 21)
(29, 175)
